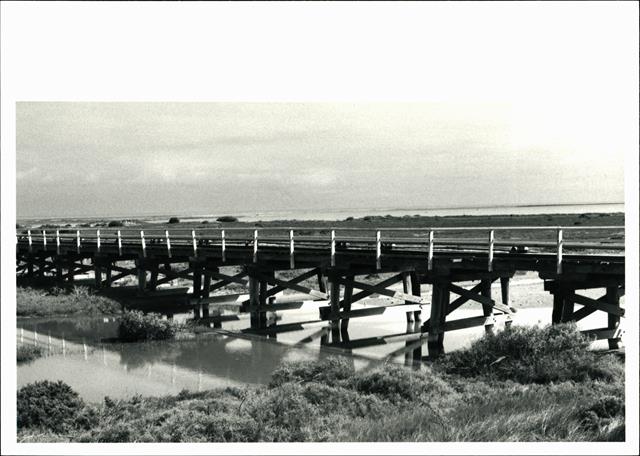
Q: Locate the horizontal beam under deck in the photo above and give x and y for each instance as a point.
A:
(365, 259)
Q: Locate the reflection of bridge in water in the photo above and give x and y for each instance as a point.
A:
(208, 360)
(273, 260)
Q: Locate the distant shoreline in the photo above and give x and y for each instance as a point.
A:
(365, 222)
(341, 214)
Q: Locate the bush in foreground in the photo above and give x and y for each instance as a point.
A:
(137, 326)
(48, 405)
(533, 355)
(328, 401)
(26, 353)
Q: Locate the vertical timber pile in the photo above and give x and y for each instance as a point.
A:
(142, 275)
(487, 308)
(613, 298)
(258, 288)
(196, 266)
(504, 288)
(334, 296)
(439, 303)
(348, 297)
(411, 284)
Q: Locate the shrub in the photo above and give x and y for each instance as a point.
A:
(602, 412)
(348, 219)
(227, 218)
(26, 353)
(49, 405)
(532, 355)
(136, 326)
(396, 383)
(115, 223)
(174, 220)
(285, 415)
(326, 371)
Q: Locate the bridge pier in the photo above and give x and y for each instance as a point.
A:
(443, 284)
(439, 302)
(197, 269)
(564, 290)
(142, 275)
(258, 288)
(487, 307)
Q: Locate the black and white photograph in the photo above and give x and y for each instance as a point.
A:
(320, 227)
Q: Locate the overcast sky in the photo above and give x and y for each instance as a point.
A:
(505, 103)
(144, 158)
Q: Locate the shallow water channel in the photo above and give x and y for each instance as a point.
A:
(75, 351)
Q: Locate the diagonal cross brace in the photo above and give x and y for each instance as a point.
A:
(593, 303)
(455, 304)
(291, 285)
(363, 294)
(381, 290)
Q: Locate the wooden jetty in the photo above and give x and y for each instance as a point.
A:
(336, 260)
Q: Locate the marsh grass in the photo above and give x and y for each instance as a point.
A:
(33, 302)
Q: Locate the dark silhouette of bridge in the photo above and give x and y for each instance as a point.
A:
(567, 259)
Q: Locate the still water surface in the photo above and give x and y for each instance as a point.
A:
(76, 354)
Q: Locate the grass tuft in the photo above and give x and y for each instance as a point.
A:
(27, 353)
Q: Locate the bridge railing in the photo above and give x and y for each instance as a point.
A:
(489, 239)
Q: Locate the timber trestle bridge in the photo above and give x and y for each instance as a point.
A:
(271, 260)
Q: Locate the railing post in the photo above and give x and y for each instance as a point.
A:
(98, 240)
(44, 239)
(378, 251)
(224, 246)
(255, 246)
(30, 240)
(559, 252)
(78, 241)
(490, 260)
(195, 243)
(168, 241)
(143, 243)
(333, 248)
(57, 242)
(291, 253)
(119, 243)
(430, 254)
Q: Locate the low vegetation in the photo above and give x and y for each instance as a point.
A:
(328, 400)
(174, 220)
(555, 353)
(33, 302)
(27, 353)
(53, 406)
(136, 326)
(227, 219)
